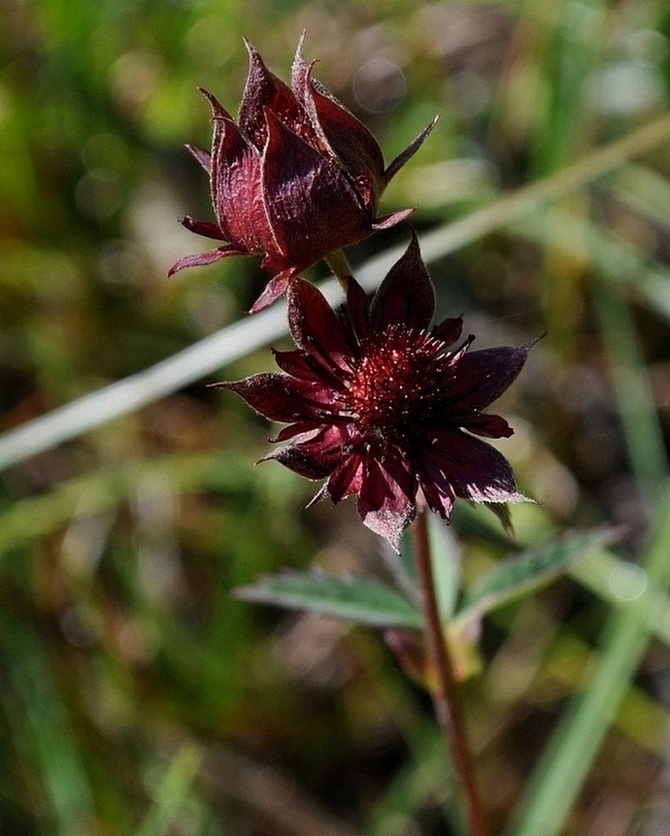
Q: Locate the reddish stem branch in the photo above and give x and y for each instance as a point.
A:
(444, 689)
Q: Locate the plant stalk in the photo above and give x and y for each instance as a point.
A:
(444, 687)
(338, 263)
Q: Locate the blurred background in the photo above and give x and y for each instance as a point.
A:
(137, 696)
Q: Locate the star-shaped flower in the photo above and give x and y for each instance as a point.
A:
(379, 405)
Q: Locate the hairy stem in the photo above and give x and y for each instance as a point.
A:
(337, 261)
(444, 688)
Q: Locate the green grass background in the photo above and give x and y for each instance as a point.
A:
(136, 695)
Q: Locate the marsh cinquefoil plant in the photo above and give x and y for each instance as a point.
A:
(377, 402)
(295, 178)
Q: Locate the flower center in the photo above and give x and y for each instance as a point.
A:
(396, 382)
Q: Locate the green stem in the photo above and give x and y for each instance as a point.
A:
(444, 689)
(337, 261)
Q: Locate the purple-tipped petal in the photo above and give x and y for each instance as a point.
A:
(315, 458)
(347, 479)
(203, 157)
(205, 228)
(273, 290)
(218, 110)
(358, 309)
(406, 296)
(280, 397)
(267, 394)
(203, 259)
(480, 377)
(309, 465)
(409, 152)
(342, 135)
(312, 207)
(315, 327)
(303, 428)
(297, 364)
(475, 470)
(489, 426)
(236, 189)
(263, 90)
(386, 498)
(449, 330)
(437, 489)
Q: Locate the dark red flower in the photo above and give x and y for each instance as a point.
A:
(296, 178)
(379, 406)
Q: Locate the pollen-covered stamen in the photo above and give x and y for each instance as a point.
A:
(396, 382)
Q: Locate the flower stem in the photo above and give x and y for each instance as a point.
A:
(444, 688)
(337, 261)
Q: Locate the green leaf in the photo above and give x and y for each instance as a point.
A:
(173, 793)
(446, 560)
(354, 599)
(476, 522)
(528, 570)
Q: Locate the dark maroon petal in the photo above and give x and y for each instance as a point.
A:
(449, 330)
(480, 377)
(387, 221)
(318, 456)
(236, 190)
(206, 228)
(475, 470)
(301, 428)
(236, 185)
(315, 327)
(280, 397)
(218, 110)
(343, 135)
(307, 463)
(386, 501)
(436, 488)
(275, 288)
(296, 363)
(490, 426)
(409, 152)
(347, 479)
(264, 90)
(203, 157)
(202, 259)
(312, 206)
(406, 296)
(358, 308)
(454, 357)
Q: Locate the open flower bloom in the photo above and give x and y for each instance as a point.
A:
(378, 406)
(295, 178)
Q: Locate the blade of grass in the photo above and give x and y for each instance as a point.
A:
(617, 582)
(619, 261)
(511, 208)
(35, 517)
(636, 408)
(49, 747)
(571, 752)
(243, 337)
(173, 792)
(568, 758)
